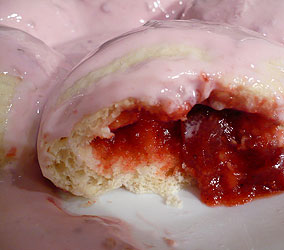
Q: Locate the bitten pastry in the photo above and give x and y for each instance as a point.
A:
(171, 102)
(28, 70)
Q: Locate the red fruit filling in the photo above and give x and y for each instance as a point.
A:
(234, 156)
(141, 138)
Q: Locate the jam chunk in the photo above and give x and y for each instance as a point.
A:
(234, 156)
(141, 138)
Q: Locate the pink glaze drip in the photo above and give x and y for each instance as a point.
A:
(228, 51)
(265, 17)
(39, 69)
(31, 218)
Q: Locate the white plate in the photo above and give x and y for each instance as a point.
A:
(256, 225)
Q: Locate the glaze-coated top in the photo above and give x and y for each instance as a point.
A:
(76, 27)
(171, 62)
(34, 69)
(263, 16)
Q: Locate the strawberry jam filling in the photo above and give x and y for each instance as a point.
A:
(234, 156)
(141, 138)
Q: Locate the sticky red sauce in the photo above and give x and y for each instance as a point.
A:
(140, 137)
(233, 156)
(12, 152)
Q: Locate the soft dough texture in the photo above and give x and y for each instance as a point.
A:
(165, 66)
(28, 71)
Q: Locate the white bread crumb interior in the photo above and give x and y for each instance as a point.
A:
(73, 166)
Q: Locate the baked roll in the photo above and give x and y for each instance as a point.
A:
(171, 103)
(28, 71)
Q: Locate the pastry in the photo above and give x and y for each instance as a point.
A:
(128, 115)
(29, 69)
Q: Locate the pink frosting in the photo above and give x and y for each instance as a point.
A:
(225, 51)
(265, 17)
(31, 217)
(39, 69)
(76, 27)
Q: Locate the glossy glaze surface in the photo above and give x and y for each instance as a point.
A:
(37, 69)
(76, 27)
(190, 78)
(265, 17)
(31, 217)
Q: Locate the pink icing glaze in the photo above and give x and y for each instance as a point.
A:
(116, 17)
(30, 214)
(265, 17)
(76, 27)
(39, 69)
(54, 21)
(31, 218)
(228, 51)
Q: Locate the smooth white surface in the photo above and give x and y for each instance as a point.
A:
(256, 225)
